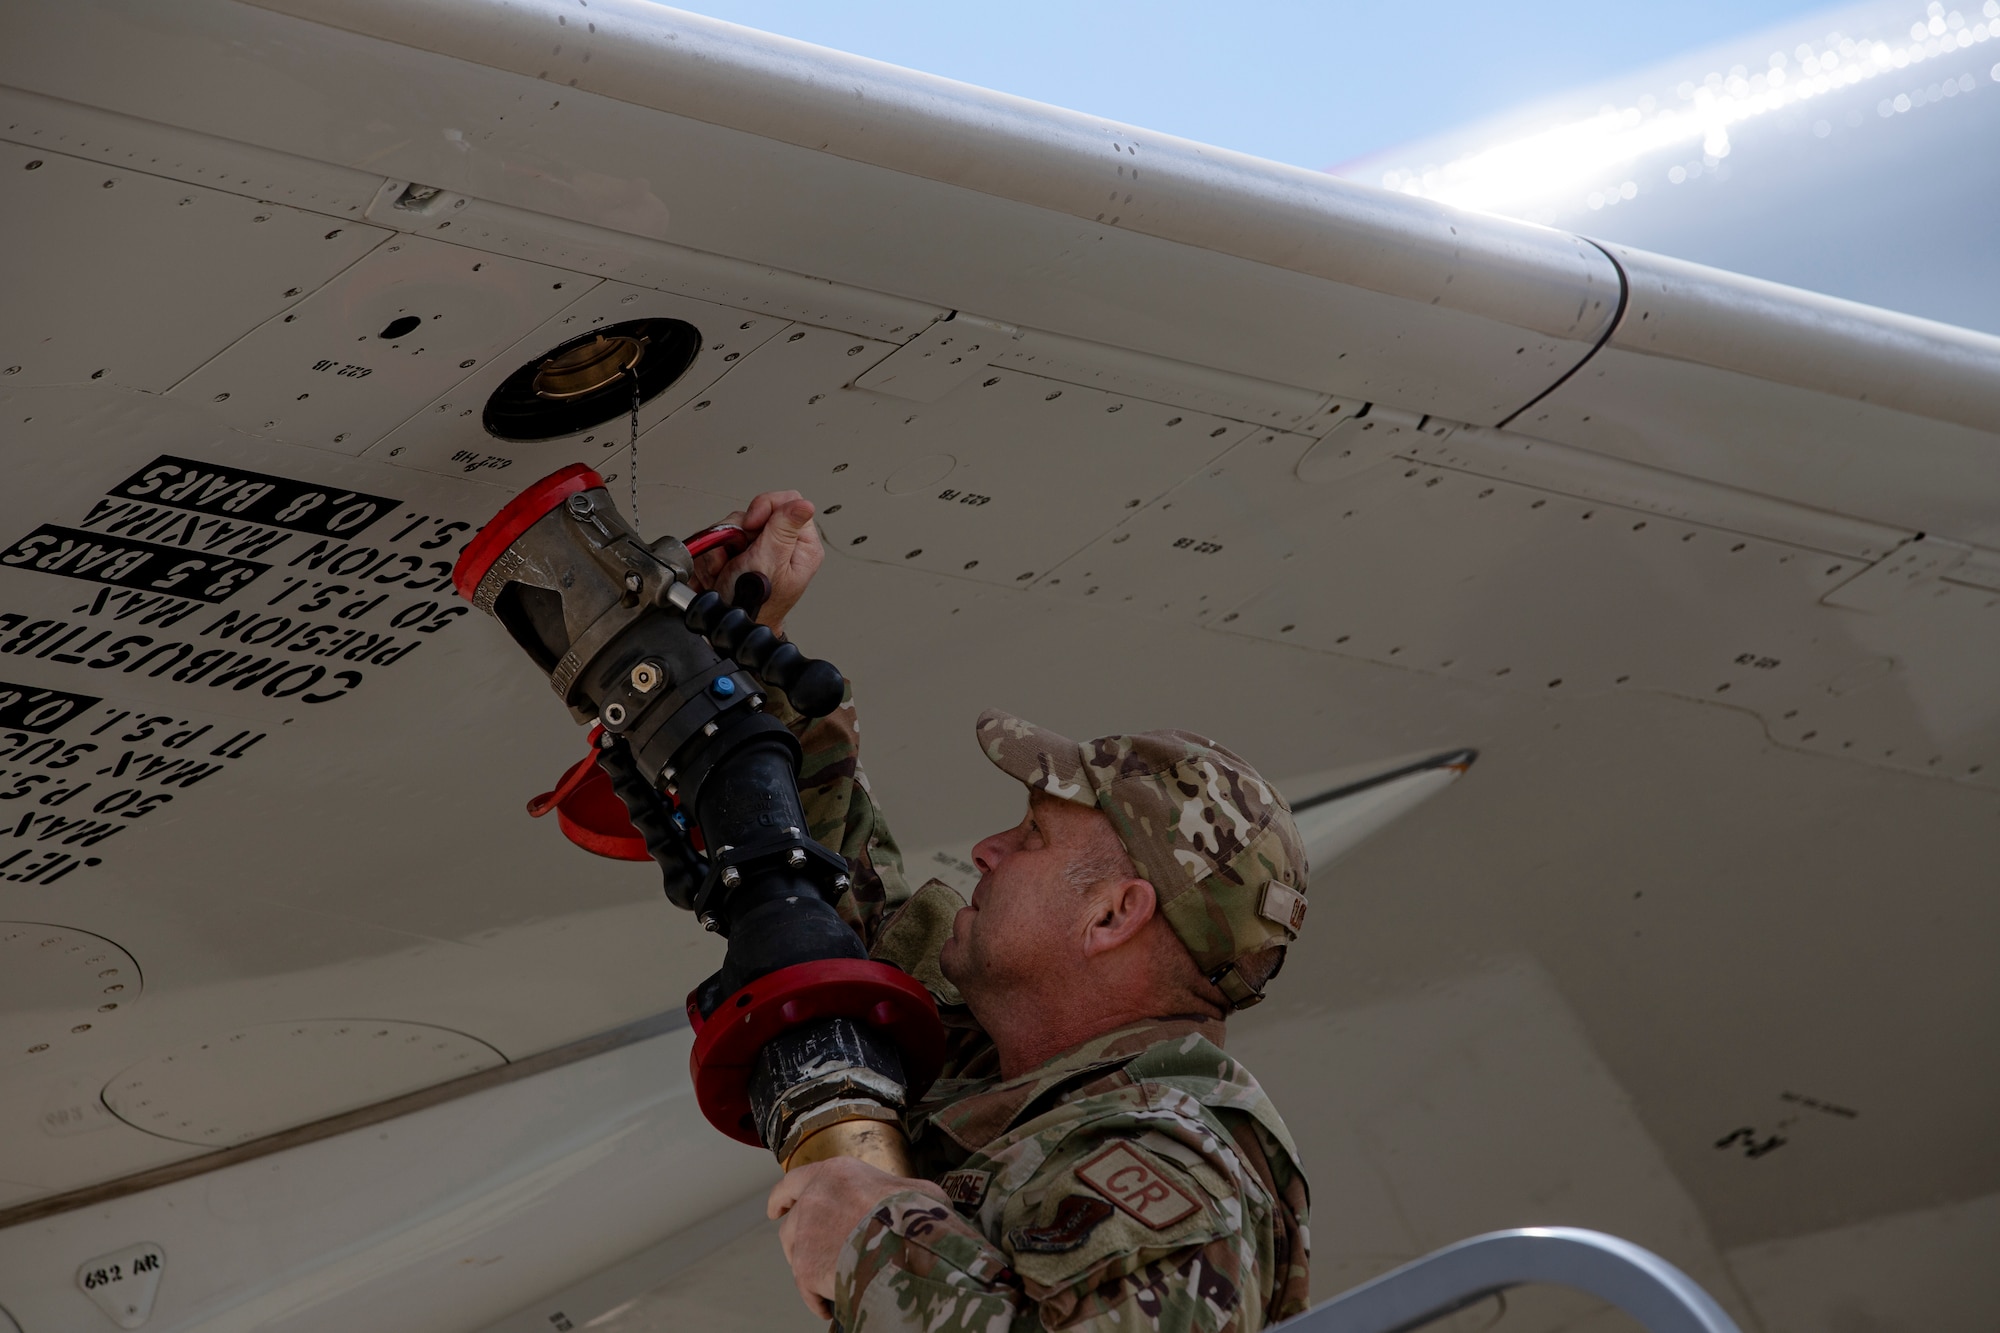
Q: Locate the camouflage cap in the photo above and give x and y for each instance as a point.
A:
(1215, 840)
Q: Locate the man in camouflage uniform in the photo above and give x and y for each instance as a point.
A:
(1091, 1159)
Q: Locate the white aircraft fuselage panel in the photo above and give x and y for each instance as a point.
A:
(1705, 569)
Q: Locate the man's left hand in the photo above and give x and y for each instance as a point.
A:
(785, 549)
(821, 1204)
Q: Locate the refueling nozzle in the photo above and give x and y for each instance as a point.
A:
(818, 1035)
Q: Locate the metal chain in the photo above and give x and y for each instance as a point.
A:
(634, 461)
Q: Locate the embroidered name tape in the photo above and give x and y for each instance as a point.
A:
(1130, 1179)
(966, 1188)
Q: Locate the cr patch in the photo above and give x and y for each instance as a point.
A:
(1132, 1180)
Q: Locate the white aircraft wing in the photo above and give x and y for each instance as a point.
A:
(1108, 428)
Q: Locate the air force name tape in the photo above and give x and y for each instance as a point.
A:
(966, 1188)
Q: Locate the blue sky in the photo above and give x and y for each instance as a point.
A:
(1305, 83)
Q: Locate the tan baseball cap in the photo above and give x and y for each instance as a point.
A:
(1214, 839)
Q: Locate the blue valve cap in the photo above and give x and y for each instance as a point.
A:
(722, 687)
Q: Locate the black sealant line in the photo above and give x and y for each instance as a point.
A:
(1617, 318)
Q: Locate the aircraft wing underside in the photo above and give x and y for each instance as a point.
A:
(1107, 428)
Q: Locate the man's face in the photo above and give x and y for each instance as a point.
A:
(1025, 921)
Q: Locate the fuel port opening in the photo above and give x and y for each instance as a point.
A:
(588, 380)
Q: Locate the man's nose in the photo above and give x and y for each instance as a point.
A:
(990, 851)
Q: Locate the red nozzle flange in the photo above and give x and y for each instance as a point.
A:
(877, 994)
(516, 517)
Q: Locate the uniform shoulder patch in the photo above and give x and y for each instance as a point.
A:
(1076, 1217)
(966, 1188)
(1128, 1176)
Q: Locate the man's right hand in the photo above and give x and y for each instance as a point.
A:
(786, 550)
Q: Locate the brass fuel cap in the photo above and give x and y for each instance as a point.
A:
(588, 380)
(588, 367)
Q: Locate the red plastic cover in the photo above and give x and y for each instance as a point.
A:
(590, 814)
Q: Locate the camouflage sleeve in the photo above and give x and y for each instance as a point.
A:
(841, 813)
(1117, 1228)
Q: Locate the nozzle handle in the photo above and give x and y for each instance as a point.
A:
(815, 687)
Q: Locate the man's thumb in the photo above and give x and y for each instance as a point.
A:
(790, 519)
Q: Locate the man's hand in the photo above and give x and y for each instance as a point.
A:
(786, 550)
(822, 1203)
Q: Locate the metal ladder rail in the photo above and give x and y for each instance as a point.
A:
(1637, 1281)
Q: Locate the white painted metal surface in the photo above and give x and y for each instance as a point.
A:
(302, 1071)
(341, 370)
(448, 1217)
(129, 319)
(447, 436)
(1723, 865)
(1770, 390)
(124, 1282)
(1514, 305)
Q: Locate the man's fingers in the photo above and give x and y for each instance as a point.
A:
(785, 1194)
(761, 505)
(785, 548)
(790, 517)
(788, 1235)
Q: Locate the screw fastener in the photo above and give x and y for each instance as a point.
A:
(731, 877)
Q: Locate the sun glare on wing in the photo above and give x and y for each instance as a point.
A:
(1599, 160)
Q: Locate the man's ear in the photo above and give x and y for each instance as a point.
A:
(1118, 912)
